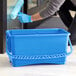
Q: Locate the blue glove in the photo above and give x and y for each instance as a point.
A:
(24, 18)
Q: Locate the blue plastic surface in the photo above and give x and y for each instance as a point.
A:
(16, 9)
(35, 46)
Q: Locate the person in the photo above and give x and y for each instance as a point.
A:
(64, 12)
(68, 20)
(52, 7)
(72, 30)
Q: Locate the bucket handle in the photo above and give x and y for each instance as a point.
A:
(71, 48)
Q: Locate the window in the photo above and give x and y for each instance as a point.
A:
(12, 24)
(32, 3)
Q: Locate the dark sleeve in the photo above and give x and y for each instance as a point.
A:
(51, 8)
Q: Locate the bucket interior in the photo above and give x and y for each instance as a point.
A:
(38, 31)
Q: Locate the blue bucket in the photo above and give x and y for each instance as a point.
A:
(37, 46)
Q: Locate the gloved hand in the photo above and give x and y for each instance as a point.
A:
(24, 18)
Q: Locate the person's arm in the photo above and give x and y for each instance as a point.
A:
(36, 17)
(52, 7)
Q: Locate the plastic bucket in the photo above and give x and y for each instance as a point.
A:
(37, 46)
